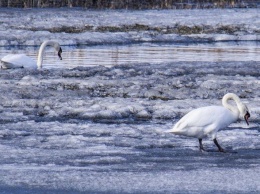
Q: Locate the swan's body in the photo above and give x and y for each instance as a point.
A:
(208, 120)
(23, 61)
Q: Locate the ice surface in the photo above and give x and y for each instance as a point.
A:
(102, 129)
(79, 26)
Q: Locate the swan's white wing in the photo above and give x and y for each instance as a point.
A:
(203, 121)
(18, 61)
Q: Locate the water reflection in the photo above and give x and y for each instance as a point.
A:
(110, 55)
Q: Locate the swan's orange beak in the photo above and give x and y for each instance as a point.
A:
(247, 115)
(59, 54)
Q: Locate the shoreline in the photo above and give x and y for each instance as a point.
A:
(126, 27)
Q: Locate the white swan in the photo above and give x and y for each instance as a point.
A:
(23, 61)
(208, 120)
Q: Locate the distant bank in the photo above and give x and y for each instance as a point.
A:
(132, 4)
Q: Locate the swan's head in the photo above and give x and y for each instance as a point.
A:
(244, 112)
(59, 53)
(58, 49)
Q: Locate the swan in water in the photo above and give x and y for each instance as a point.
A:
(205, 121)
(23, 61)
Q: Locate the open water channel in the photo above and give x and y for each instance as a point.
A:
(111, 55)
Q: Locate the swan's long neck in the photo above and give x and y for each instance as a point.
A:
(41, 52)
(231, 96)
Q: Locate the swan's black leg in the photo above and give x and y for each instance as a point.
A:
(219, 147)
(201, 146)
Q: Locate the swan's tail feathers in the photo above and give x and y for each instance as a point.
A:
(168, 131)
(174, 129)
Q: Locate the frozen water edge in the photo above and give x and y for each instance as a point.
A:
(101, 130)
(79, 26)
(141, 91)
(206, 181)
(125, 92)
(127, 159)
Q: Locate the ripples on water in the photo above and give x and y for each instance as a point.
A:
(110, 55)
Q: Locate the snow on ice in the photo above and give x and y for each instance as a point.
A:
(79, 26)
(101, 129)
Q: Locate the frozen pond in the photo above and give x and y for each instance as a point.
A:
(95, 122)
(110, 55)
(101, 129)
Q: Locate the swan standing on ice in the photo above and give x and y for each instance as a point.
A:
(23, 61)
(208, 120)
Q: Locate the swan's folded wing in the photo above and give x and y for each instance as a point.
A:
(201, 118)
(18, 61)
